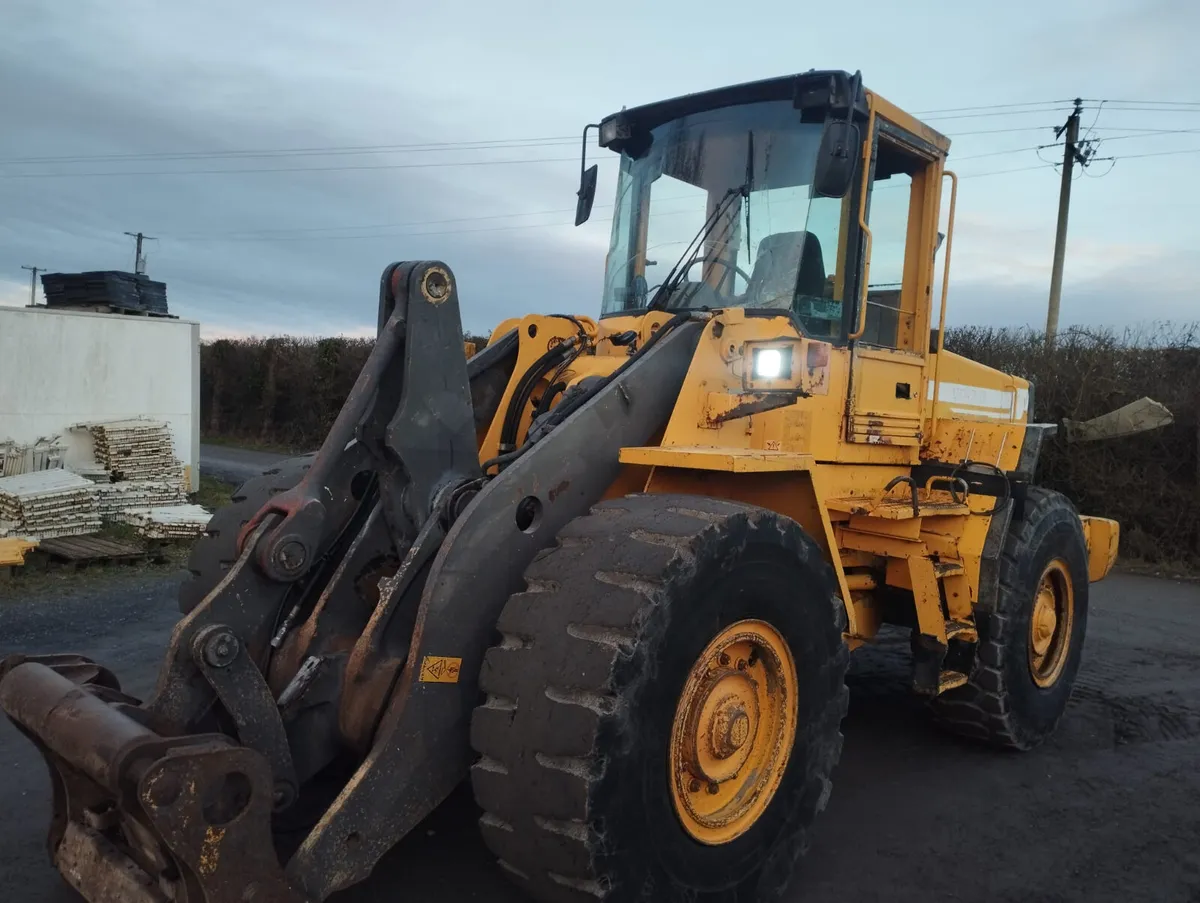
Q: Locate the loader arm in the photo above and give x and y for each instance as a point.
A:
(176, 798)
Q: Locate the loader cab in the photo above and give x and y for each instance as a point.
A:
(731, 198)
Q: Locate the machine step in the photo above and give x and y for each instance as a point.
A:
(957, 630)
(948, 680)
(891, 507)
(948, 567)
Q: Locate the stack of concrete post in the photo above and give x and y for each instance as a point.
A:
(170, 521)
(136, 450)
(118, 500)
(48, 503)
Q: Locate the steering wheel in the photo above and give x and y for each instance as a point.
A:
(723, 261)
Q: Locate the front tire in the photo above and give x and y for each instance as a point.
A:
(602, 668)
(1031, 642)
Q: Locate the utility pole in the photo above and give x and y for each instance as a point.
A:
(1071, 153)
(139, 262)
(33, 271)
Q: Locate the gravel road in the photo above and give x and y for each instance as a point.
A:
(1108, 810)
(235, 465)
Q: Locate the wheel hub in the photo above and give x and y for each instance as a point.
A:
(730, 730)
(1050, 624)
(1044, 621)
(733, 731)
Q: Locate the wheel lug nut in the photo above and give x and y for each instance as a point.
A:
(741, 665)
(724, 659)
(694, 786)
(713, 789)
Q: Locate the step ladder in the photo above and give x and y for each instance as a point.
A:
(891, 528)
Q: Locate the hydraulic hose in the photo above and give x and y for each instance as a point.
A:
(525, 386)
(571, 404)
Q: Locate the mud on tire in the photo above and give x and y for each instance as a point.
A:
(217, 549)
(582, 691)
(1002, 704)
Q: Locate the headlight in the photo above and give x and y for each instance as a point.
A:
(772, 363)
(613, 128)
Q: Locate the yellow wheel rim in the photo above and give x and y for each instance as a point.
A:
(733, 732)
(1051, 623)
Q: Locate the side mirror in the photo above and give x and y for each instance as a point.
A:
(837, 159)
(587, 194)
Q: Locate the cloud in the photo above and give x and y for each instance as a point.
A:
(146, 78)
(13, 294)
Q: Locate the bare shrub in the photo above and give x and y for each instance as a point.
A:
(287, 392)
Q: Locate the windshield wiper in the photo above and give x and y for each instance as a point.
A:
(680, 270)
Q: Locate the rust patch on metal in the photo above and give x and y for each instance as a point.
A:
(436, 285)
(875, 433)
(558, 490)
(210, 852)
(758, 403)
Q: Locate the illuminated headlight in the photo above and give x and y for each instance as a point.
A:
(772, 363)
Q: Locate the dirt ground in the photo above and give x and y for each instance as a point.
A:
(1108, 810)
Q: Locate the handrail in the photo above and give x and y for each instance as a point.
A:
(941, 341)
(868, 147)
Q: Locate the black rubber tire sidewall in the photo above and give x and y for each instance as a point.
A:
(762, 582)
(1057, 535)
(217, 549)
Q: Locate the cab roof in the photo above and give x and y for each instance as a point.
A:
(815, 93)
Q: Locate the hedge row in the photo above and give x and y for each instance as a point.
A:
(287, 391)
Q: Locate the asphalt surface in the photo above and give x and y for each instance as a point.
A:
(1108, 810)
(235, 465)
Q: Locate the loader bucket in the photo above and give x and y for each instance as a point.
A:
(130, 805)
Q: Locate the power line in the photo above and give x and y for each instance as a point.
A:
(999, 153)
(1131, 109)
(1141, 131)
(439, 164)
(284, 235)
(1170, 153)
(1020, 128)
(331, 150)
(985, 115)
(209, 172)
(1000, 172)
(269, 233)
(1149, 133)
(1179, 103)
(993, 106)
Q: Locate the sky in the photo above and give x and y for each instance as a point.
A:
(146, 98)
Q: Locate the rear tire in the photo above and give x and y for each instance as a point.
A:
(584, 690)
(217, 549)
(1022, 678)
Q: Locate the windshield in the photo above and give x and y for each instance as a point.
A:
(723, 198)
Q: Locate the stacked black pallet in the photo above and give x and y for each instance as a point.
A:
(116, 289)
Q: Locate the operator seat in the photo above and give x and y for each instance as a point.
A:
(789, 265)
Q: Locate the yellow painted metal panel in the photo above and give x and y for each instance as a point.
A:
(1103, 539)
(732, 460)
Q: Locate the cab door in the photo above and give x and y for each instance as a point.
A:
(890, 340)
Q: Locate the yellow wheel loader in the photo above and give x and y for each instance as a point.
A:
(609, 570)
